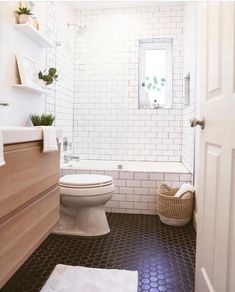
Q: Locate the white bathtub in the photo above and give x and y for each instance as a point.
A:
(136, 184)
(138, 166)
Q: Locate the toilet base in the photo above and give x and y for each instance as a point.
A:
(89, 221)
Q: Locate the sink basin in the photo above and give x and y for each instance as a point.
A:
(13, 135)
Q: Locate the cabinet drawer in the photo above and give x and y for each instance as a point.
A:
(27, 173)
(21, 235)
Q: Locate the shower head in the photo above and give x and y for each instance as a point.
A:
(77, 27)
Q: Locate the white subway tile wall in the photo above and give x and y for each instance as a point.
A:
(107, 122)
(95, 99)
(59, 97)
(190, 30)
(136, 192)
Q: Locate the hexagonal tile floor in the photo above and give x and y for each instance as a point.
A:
(164, 256)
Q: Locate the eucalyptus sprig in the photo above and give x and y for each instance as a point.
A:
(154, 83)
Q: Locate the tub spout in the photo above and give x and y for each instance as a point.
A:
(68, 158)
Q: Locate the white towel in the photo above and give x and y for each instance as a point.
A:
(2, 161)
(49, 139)
(183, 189)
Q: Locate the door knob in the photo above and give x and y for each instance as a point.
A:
(195, 122)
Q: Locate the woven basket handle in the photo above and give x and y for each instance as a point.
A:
(191, 194)
(164, 186)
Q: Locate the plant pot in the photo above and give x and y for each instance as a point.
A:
(24, 18)
(42, 84)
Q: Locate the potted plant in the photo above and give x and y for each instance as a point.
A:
(24, 15)
(48, 78)
(153, 86)
(42, 120)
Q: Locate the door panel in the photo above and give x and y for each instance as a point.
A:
(231, 249)
(213, 50)
(215, 263)
(212, 170)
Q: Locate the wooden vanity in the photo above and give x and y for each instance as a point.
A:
(29, 202)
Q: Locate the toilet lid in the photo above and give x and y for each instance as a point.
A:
(85, 180)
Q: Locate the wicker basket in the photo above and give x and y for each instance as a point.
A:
(174, 211)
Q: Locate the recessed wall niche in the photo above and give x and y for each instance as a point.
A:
(187, 89)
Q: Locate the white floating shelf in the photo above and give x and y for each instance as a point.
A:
(34, 35)
(34, 89)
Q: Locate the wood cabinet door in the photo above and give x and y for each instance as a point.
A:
(27, 173)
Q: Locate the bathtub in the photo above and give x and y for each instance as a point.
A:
(139, 166)
(136, 183)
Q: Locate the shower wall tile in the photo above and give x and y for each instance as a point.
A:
(190, 30)
(138, 195)
(60, 97)
(107, 123)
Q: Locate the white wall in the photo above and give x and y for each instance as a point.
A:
(108, 123)
(22, 103)
(55, 16)
(190, 31)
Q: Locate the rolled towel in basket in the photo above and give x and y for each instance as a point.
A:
(184, 189)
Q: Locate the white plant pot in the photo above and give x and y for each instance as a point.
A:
(42, 83)
(24, 18)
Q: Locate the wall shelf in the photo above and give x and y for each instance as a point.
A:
(31, 88)
(34, 35)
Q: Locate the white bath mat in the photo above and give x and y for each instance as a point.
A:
(80, 279)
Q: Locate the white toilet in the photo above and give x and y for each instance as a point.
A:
(83, 197)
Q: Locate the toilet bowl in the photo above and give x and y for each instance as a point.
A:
(83, 197)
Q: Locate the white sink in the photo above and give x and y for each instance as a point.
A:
(13, 135)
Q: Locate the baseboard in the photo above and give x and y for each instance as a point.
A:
(195, 220)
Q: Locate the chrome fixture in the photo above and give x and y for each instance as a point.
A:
(119, 166)
(68, 158)
(195, 122)
(65, 143)
(77, 27)
(3, 103)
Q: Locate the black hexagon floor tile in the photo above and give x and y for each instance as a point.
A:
(164, 256)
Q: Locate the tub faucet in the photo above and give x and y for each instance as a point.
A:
(68, 158)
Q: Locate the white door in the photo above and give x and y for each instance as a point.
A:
(215, 257)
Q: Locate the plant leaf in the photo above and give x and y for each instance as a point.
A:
(155, 80)
(24, 10)
(52, 71)
(149, 85)
(42, 120)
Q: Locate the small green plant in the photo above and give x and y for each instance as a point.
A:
(50, 77)
(154, 83)
(42, 120)
(24, 10)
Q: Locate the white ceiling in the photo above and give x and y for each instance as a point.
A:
(80, 5)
